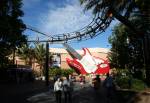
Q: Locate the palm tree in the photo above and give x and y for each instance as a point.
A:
(120, 9)
(40, 55)
(24, 54)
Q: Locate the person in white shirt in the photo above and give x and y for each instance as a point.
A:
(58, 90)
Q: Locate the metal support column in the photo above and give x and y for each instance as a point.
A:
(47, 64)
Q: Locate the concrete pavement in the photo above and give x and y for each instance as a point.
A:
(81, 94)
(86, 94)
(37, 92)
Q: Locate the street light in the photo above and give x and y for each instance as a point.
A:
(128, 42)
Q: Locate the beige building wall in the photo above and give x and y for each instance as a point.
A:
(64, 64)
(97, 52)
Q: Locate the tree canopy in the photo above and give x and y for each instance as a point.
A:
(11, 28)
(121, 10)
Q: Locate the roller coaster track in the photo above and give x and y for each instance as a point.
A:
(97, 26)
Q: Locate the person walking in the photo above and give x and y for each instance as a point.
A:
(58, 90)
(97, 82)
(109, 85)
(67, 89)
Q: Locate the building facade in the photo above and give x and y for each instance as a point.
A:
(60, 55)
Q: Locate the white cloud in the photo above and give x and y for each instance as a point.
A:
(64, 19)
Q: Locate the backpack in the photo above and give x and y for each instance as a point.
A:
(66, 87)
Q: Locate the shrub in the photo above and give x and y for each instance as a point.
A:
(66, 72)
(59, 71)
(54, 71)
(123, 82)
(130, 83)
(138, 85)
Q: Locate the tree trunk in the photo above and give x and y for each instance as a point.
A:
(146, 17)
(147, 58)
(14, 55)
(125, 21)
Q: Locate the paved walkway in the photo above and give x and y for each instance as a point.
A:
(37, 92)
(87, 94)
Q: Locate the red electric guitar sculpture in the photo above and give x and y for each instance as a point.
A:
(86, 64)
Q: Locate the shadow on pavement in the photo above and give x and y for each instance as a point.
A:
(18, 93)
(38, 92)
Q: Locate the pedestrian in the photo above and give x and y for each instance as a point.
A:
(109, 85)
(58, 90)
(82, 81)
(96, 82)
(55, 78)
(67, 89)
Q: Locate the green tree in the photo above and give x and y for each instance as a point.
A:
(119, 50)
(11, 28)
(126, 51)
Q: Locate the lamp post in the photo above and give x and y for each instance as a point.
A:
(128, 43)
(14, 55)
(143, 52)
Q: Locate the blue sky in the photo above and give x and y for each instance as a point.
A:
(61, 16)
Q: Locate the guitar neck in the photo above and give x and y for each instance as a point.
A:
(72, 52)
